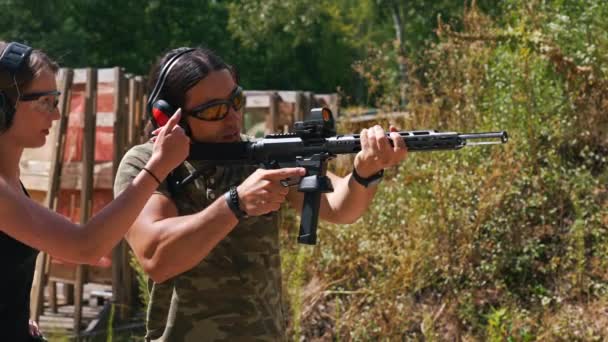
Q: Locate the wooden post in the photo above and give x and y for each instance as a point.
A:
(132, 112)
(86, 188)
(140, 109)
(300, 107)
(119, 118)
(273, 117)
(120, 140)
(334, 104)
(123, 127)
(307, 103)
(144, 105)
(66, 78)
(312, 103)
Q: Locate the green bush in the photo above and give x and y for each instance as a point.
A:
(500, 243)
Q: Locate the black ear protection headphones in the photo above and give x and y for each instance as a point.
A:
(12, 60)
(159, 109)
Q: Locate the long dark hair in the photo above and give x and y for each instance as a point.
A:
(189, 69)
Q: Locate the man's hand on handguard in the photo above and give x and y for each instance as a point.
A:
(376, 152)
(263, 192)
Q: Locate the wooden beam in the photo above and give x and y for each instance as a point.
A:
(133, 119)
(119, 119)
(140, 108)
(66, 78)
(121, 137)
(300, 107)
(273, 117)
(86, 194)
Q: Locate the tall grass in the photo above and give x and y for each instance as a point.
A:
(505, 242)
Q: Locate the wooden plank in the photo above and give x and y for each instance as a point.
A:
(140, 111)
(65, 273)
(120, 141)
(66, 79)
(288, 95)
(52, 286)
(119, 119)
(132, 123)
(259, 99)
(125, 127)
(273, 118)
(62, 320)
(105, 75)
(88, 147)
(310, 102)
(88, 159)
(300, 110)
(144, 103)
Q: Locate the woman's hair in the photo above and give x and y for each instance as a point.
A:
(190, 68)
(37, 62)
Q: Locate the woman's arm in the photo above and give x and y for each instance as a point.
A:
(41, 228)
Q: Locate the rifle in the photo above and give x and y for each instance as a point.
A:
(311, 145)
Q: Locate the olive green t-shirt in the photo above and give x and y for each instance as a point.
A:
(234, 293)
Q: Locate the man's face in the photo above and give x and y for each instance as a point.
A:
(218, 85)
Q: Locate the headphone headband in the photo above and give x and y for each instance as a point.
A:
(12, 59)
(14, 56)
(162, 77)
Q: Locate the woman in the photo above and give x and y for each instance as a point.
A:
(28, 106)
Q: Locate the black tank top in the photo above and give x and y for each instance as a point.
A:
(17, 264)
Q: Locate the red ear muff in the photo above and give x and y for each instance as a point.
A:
(162, 111)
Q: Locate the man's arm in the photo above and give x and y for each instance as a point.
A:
(350, 200)
(166, 244)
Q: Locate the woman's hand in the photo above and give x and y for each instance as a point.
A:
(34, 330)
(171, 147)
(376, 153)
(263, 192)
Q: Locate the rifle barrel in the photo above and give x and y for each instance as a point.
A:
(502, 135)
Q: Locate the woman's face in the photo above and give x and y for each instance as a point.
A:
(218, 85)
(33, 119)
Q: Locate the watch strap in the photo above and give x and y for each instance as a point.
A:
(232, 199)
(369, 181)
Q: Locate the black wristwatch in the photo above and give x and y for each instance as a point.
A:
(369, 181)
(232, 199)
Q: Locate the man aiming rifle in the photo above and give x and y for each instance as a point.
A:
(208, 238)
